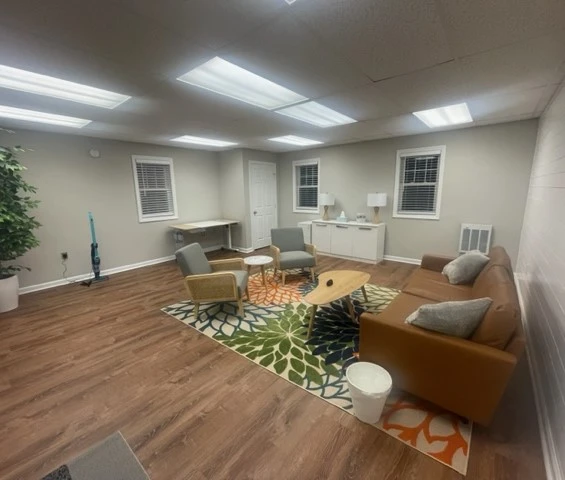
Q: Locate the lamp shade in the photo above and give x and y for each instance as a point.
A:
(376, 200)
(326, 199)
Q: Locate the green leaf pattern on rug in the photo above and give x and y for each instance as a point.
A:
(274, 336)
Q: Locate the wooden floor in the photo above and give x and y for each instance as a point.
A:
(78, 363)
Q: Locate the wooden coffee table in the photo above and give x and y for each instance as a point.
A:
(345, 282)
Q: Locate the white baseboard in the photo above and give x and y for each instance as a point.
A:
(86, 276)
(413, 261)
(242, 249)
(550, 456)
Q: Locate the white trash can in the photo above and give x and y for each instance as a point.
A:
(369, 386)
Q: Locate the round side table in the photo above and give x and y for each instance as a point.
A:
(258, 261)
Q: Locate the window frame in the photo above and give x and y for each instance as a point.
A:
(400, 154)
(135, 159)
(295, 207)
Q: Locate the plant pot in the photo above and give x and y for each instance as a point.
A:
(9, 293)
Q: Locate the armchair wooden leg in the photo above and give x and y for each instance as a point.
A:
(283, 276)
(196, 307)
(240, 307)
(312, 276)
(247, 293)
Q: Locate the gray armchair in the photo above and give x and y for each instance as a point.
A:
(289, 251)
(215, 281)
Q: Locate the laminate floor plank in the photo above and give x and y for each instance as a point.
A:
(78, 363)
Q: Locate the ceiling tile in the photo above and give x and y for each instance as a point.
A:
(288, 53)
(118, 35)
(480, 25)
(211, 23)
(497, 106)
(384, 38)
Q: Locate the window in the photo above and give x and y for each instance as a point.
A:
(417, 189)
(154, 188)
(305, 180)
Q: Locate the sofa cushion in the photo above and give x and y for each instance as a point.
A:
(192, 261)
(403, 305)
(503, 317)
(435, 286)
(296, 260)
(458, 319)
(288, 239)
(241, 277)
(466, 268)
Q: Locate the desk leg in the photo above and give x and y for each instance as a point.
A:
(179, 239)
(312, 319)
(350, 307)
(229, 237)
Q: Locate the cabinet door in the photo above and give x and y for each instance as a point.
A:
(341, 240)
(321, 237)
(365, 242)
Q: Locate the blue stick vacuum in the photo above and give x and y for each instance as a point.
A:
(94, 257)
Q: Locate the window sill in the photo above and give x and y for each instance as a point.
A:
(415, 217)
(311, 212)
(158, 219)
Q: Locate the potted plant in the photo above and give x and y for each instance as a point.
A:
(16, 224)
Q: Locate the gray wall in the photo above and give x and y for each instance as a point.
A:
(486, 178)
(541, 278)
(71, 183)
(233, 194)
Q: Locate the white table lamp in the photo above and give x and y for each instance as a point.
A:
(326, 200)
(376, 200)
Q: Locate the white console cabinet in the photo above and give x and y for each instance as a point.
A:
(363, 242)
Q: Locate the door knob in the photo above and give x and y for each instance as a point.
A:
(255, 212)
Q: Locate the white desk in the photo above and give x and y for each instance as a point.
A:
(194, 227)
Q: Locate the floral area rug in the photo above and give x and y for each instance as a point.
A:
(273, 334)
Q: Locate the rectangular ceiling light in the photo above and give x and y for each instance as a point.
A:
(445, 116)
(203, 141)
(24, 81)
(228, 79)
(316, 114)
(294, 140)
(42, 117)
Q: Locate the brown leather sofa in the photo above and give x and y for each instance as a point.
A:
(465, 376)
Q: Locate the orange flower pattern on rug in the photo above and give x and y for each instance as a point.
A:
(449, 446)
(275, 293)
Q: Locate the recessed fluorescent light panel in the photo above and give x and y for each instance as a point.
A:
(42, 117)
(294, 140)
(228, 79)
(24, 81)
(316, 114)
(290, 2)
(203, 141)
(445, 116)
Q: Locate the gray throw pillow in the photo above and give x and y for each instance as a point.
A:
(466, 268)
(458, 319)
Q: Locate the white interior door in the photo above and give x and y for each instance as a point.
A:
(263, 201)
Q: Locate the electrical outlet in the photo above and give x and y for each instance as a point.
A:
(64, 256)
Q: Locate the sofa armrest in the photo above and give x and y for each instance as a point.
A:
(435, 262)
(227, 264)
(211, 286)
(276, 254)
(311, 249)
(460, 375)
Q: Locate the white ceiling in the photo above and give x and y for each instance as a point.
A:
(374, 60)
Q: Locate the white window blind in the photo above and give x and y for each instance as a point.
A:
(418, 183)
(155, 189)
(306, 181)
